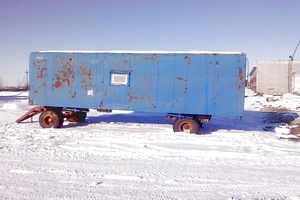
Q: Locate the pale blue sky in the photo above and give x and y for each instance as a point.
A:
(263, 29)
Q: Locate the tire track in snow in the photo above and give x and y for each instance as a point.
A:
(109, 161)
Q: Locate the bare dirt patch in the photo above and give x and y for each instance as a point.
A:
(289, 118)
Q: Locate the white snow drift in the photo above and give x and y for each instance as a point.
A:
(125, 155)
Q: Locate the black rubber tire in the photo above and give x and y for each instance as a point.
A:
(51, 119)
(200, 124)
(81, 116)
(77, 117)
(186, 125)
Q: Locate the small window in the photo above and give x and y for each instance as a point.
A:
(119, 79)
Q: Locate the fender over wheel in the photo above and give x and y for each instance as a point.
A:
(186, 125)
(51, 119)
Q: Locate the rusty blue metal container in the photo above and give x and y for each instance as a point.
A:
(187, 86)
(165, 82)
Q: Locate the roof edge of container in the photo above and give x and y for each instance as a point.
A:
(144, 52)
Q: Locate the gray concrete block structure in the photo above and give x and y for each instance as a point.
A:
(279, 76)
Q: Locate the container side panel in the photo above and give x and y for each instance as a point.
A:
(69, 80)
(180, 85)
(165, 85)
(39, 78)
(210, 64)
(86, 91)
(102, 83)
(74, 80)
(196, 88)
(143, 85)
(116, 94)
(225, 86)
(65, 75)
(229, 86)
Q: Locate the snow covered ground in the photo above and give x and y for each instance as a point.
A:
(125, 155)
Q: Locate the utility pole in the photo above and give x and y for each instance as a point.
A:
(290, 70)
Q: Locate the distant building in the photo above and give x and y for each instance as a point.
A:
(271, 77)
(252, 79)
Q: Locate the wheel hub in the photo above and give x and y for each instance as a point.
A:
(185, 127)
(48, 120)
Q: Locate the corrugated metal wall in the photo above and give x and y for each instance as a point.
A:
(144, 82)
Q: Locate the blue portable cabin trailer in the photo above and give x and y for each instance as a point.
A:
(189, 87)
